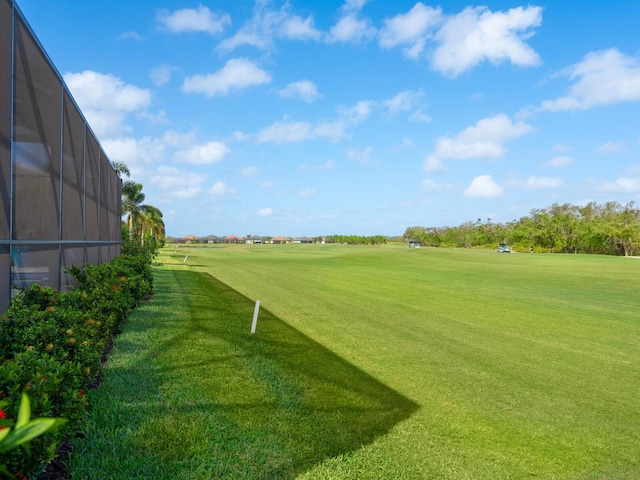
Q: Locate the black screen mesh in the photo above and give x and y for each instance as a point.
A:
(66, 207)
(72, 173)
(36, 146)
(71, 255)
(105, 169)
(35, 264)
(5, 118)
(92, 185)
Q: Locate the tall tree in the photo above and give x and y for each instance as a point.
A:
(151, 223)
(121, 169)
(611, 228)
(132, 198)
(622, 226)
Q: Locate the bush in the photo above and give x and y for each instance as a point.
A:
(22, 431)
(51, 343)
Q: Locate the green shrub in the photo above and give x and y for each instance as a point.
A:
(22, 431)
(60, 329)
(51, 343)
(56, 389)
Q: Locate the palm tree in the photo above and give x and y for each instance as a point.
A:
(151, 222)
(121, 169)
(132, 198)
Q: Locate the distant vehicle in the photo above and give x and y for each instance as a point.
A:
(414, 245)
(503, 248)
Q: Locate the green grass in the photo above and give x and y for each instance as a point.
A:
(374, 362)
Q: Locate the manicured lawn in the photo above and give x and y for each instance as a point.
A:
(374, 362)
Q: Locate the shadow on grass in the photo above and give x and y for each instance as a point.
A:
(269, 405)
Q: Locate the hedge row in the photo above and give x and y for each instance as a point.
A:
(51, 344)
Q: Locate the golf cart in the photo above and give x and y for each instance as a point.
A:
(503, 248)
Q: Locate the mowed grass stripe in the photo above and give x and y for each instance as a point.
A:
(188, 393)
(374, 362)
(541, 350)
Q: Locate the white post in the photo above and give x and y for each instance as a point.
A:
(254, 324)
(185, 259)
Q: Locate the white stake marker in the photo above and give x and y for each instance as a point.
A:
(185, 259)
(254, 324)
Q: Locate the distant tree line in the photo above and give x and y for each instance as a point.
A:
(611, 228)
(353, 239)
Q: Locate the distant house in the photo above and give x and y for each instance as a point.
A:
(189, 239)
(280, 240)
(254, 239)
(209, 239)
(230, 239)
(302, 240)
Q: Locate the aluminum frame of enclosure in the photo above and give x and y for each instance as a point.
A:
(60, 197)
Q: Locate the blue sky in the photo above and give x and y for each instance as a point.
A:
(355, 117)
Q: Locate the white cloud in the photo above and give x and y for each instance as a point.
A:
(176, 184)
(141, 153)
(287, 131)
(601, 78)
(267, 24)
(562, 148)
(610, 147)
(155, 118)
(406, 143)
(352, 6)
(162, 74)
(433, 164)
(237, 74)
(485, 139)
(419, 116)
(265, 212)
(329, 164)
(412, 29)
(431, 185)
(332, 130)
(292, 132)
(304, 90)
(178, 140)
(244, 37)
(207, 154)
(360, 111)
(248, 171)
(484, 186)
(308, 192)
(561, 161)
(621, 185)
(137, 154)
(239, 136)
(194, 20)
(402, 102)
(220, 189)
(476, 35)
(130, 36)
(105, 100)
(351, 29)
(537, 183)
(360, 156)
(297, 28)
